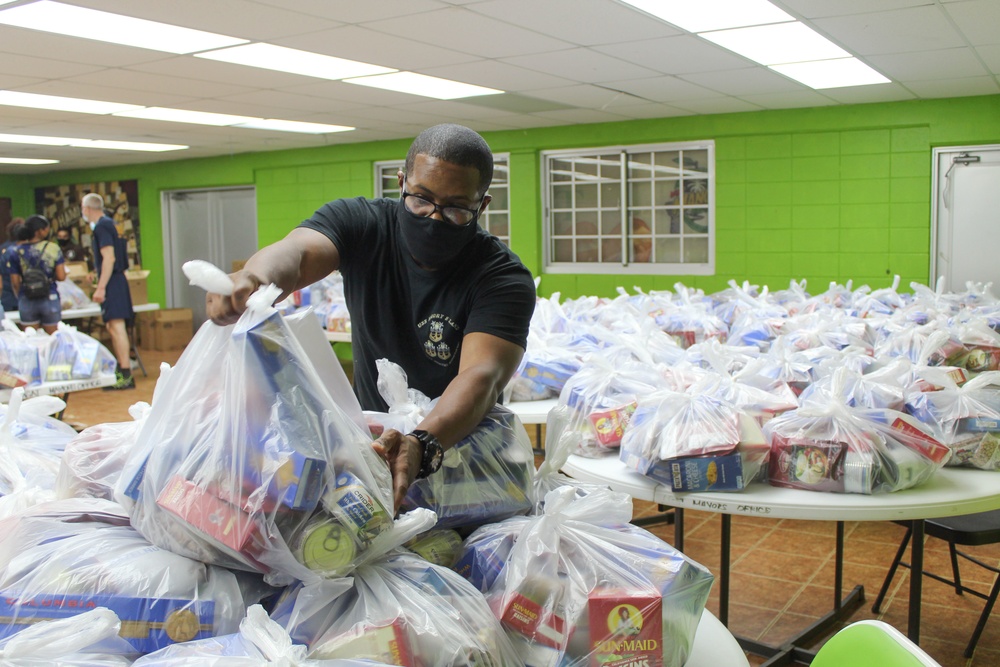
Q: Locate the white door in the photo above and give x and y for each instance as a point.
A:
(218, 226)
(966, 216)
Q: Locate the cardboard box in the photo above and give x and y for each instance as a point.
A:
(80, 275)
(172, 329)
(145, 333)
(137, 286)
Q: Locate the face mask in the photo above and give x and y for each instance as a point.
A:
(63, 242)
(92, 225)
(431, 242)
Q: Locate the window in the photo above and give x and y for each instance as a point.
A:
(632, 209)
(496, 219)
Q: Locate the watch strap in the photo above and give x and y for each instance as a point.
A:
(433, 453)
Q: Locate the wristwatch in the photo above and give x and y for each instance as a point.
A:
(433, 454)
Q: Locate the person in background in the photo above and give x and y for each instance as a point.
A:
(71, 250)
(38, 254)
(7, 297)
(426, 287)
(111, 286)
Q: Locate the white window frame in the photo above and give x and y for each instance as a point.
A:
(620, 153)
(500, 160)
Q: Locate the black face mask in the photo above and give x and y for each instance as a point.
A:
(433, 243)
(64, 242)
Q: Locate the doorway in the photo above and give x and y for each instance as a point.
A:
(218, 226)
(965, 216)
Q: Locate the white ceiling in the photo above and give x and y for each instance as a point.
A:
(560, 61)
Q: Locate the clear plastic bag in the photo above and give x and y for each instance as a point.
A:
(966, 418)
(71, 296)
(88, 640)
(249, 463)
(60, 559)
(828, 446)
(397, 609)
(573, 592)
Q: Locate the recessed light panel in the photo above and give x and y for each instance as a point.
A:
(426, 86)
(294, 61)
(56, 103)
(293, 126)
(777, 44)
(702, 15)
(838, 73)
(126, 145)
(25, 160)
(93, 24)
(184, 116)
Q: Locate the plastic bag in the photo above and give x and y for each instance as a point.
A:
(248, 462)
(71, 296)
(63, 558)
(88, 640)
(92, 461)
(966, 418)
(397, 609)
(828, 446)
(573, 592)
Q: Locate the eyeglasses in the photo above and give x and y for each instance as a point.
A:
(425, 208)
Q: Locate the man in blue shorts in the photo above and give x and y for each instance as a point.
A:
(112, 285)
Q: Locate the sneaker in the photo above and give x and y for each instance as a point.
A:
(121, 382)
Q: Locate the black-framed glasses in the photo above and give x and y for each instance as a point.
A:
(425, 208)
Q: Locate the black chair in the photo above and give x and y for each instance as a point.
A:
(969, 530)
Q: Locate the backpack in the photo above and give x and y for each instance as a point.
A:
(35, 283)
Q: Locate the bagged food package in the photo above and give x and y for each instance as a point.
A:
(691, 320)
(90, 639)
(249, 463)
(694, 442)
(63, 558)
(829, 446)
(20, 356)
(31, 446)
(600, 400)
(982, 346)
(93, 460)
(398, 609)
(883, 386)
(440, 546)
(575, 592)
(784, 363)
(71, 296)
(259, 642)
(73, 355)
(965, 418)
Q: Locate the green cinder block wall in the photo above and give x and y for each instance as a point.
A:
(824, 193)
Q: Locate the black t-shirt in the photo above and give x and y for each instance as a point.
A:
(414, 317)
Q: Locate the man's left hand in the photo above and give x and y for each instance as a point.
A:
(403, 454)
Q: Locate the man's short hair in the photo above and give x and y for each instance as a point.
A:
(93, 200)
(456, 144)
(36, 223)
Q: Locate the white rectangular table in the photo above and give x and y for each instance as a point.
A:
(91, 310)
(534, 412)
(951, 492)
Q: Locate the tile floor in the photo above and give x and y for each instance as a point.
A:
(782, 578)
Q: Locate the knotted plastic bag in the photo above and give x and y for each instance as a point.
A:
(88, 640)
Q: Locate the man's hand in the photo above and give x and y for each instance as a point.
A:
(223, 309)
(403, 453)
(98, 296)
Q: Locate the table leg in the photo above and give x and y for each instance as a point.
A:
(916, 580)
(727, 522)
(838, 571)
(679, 529)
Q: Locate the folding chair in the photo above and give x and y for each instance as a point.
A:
(968, 530)
(871, 644)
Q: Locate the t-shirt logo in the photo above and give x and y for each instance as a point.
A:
(442, 339)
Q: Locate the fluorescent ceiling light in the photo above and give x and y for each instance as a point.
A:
(76, 21)
(421, 84)
(25, 160)
(87, 143)
(293, 126)
(56, 103)
(702, 15)
(837, 73)
(283, 59)
(126, 145)
(777, 44)
(183, 116)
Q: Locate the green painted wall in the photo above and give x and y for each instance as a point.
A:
(825, 193)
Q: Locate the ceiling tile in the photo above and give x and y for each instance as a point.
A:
(990, 56)
(352, 11)
(589, 96)
(667, 89)
(582, 65)
(977, 19)
(925, 65)
(147, 82)
(213, 70)
(897, 31)
(23, 65)
(977, 85)
(791, 100)
(83, 87)
(580, 22)
(499, 75)
(73, 49)
(882, 92)
(580, 116)
(654, 110)
(717, 105)
(818, 8)
(468, 32)
(281, 101)
(746, 81)
(237, 18)
(370, 46)
(675, 55)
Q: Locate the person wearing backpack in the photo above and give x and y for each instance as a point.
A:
(111, 286)
(34, 269)
(7, 297)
